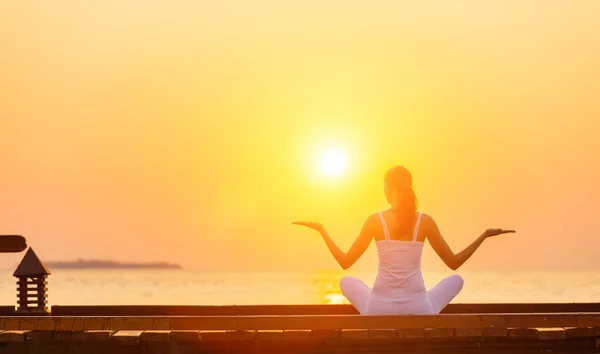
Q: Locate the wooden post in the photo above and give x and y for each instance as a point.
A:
(32, 285)
(12, 243)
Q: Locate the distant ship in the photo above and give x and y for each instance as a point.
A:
(104, 264)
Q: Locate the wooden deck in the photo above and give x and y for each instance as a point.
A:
(247, 310)
(304, 322)
(258, 329)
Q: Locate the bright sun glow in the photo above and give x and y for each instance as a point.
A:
(333, 162)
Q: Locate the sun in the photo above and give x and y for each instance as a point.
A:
(333, 162)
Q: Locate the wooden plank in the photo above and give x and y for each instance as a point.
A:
(439, 332)
(269, 340)
(208, 335)
(45, 324)
(4, 336)
(12, 243)
(468, 332)
(155, 336)
(522, 333)
(354, 333)
(19, 323)
(67, 335)
(233, 310)
(69, 324)
(382, 334)
(587, 320)
(207, 322)
(131, 323)
(240, 334)
(404, 322)
(311, 322)
(297, 334)
(551, 333)
(14, 336)
(545, 320)
(410, 333)
(127, 337)
(97, 335)
(90, 323)
(494, 332)
(413, 321)
(184, 335)
(326, 333)
(7, 310)
(579, 332)
(269, 335)
(522, 308)
(161, 323)
(241, 341)
(256, 310)
(40, 335)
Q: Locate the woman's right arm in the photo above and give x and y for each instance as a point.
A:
(440, 246)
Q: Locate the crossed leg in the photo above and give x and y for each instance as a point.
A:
(356, 291)
(446, 290)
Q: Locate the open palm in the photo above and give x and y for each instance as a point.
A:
(310, 224)
(496, 232)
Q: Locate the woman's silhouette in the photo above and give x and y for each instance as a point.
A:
(399, 234)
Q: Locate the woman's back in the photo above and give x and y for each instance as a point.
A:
(399, 277)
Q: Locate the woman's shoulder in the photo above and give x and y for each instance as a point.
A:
(375, 217)
(427, 222)
(374, 220)
(426, 217)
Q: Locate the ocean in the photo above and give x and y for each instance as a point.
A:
(186, 287)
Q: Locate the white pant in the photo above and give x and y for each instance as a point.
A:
(434, 301)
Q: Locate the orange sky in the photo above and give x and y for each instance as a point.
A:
(189, 131)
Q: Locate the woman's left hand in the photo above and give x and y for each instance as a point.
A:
(310, 224)
(496, 232)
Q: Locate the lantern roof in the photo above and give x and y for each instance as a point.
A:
(31, 265)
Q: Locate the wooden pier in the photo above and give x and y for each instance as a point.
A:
(310, 329)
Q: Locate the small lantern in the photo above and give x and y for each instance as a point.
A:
(32, 285)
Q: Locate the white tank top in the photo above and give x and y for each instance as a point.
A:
(399, 277)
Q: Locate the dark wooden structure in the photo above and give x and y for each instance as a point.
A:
(12, 243)
(32, 285)
(258, 310)
(572, 332)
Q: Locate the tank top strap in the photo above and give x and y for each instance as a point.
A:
(416, 233)
(386, 233)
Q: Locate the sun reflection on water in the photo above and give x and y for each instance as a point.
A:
(335, 298)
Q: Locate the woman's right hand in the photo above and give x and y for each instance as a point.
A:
(496, 232)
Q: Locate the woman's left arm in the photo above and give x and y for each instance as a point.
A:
(345, 260)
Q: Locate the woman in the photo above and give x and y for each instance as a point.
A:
(399, 234)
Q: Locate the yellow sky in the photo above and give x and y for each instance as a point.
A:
(190, 131)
